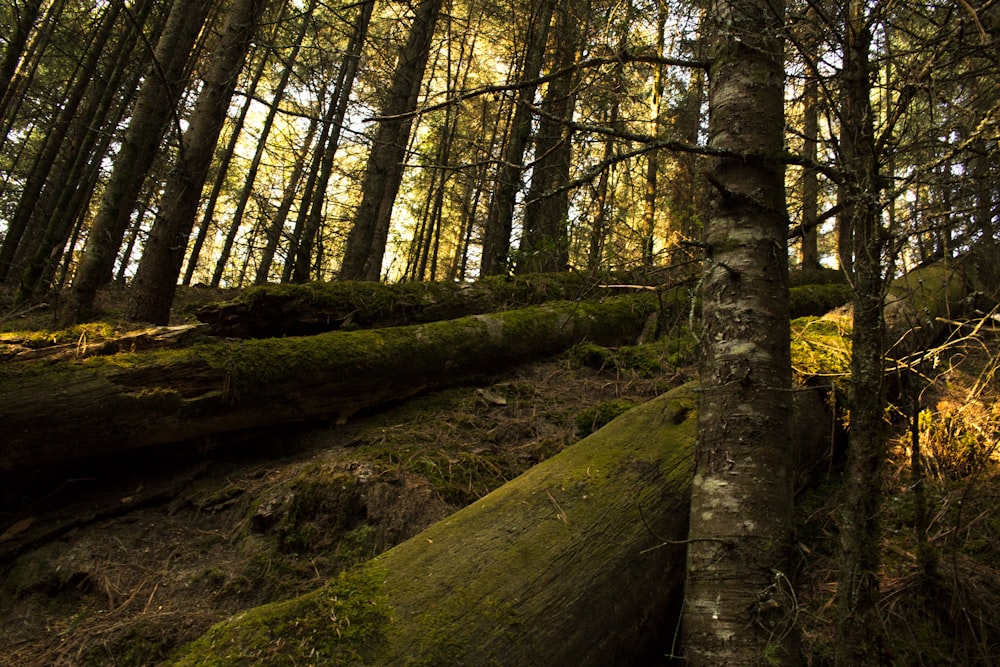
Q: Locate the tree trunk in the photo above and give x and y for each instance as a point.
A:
(544, 244)
(113, 404)
(27, 227)
(154, 106)
(237, 125)
(299, 260)
(810, 178)
(265, 131)
(277, 224)
(499, 220)
(370, 230)
(859, 626)
(17, 40)
(739, 604)
(156, 278)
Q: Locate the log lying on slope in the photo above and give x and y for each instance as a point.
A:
(564, 565)
(311, 308)
(579, 561)
(55, 413)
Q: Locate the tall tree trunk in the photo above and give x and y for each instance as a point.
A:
(345, 82)
(544, 244)
(858, 624)
(653, 159)
(739, 608)
(17, 41)
(156, 278)
(601, 225)
(265, 131)
(67, 179)
(370, 229)
(26, 228)
(227, 156)
(156, 103)
(810, 178)
(277, 225)
(500, 219)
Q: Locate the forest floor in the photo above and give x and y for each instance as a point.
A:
(120, 562)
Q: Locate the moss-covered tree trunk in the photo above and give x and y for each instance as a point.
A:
(55, 413)
(565, 565)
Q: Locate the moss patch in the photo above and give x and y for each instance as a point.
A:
(822, 346)
(335, 625)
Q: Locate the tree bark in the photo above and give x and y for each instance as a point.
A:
(156, 278)
(131, 401)
(739, 603)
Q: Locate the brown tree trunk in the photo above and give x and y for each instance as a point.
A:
(222, 170)
(17, 40)
(810, 178)
(299, 261)
(739, 605)
(265, 131)
(859, 627)
(154, 106)
(499, 220)
(156, 278)
(544, 244)
(370, 229)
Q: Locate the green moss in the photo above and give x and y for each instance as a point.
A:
(822, 346)
(649, 360)
(143, 644)
(78, 333)
(322, 505)
(339, 624)
(818, 299)
(597, 416)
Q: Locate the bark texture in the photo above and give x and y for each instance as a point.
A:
(739, 606)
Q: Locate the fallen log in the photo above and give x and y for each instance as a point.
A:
(311, 308)
(579, 561)
(565, 565)
(63, 411)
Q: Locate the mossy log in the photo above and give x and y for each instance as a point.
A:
(305, 309)
(58, 412)
(311, 308)
(922, 304)
(579, 561)
(565, 565)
